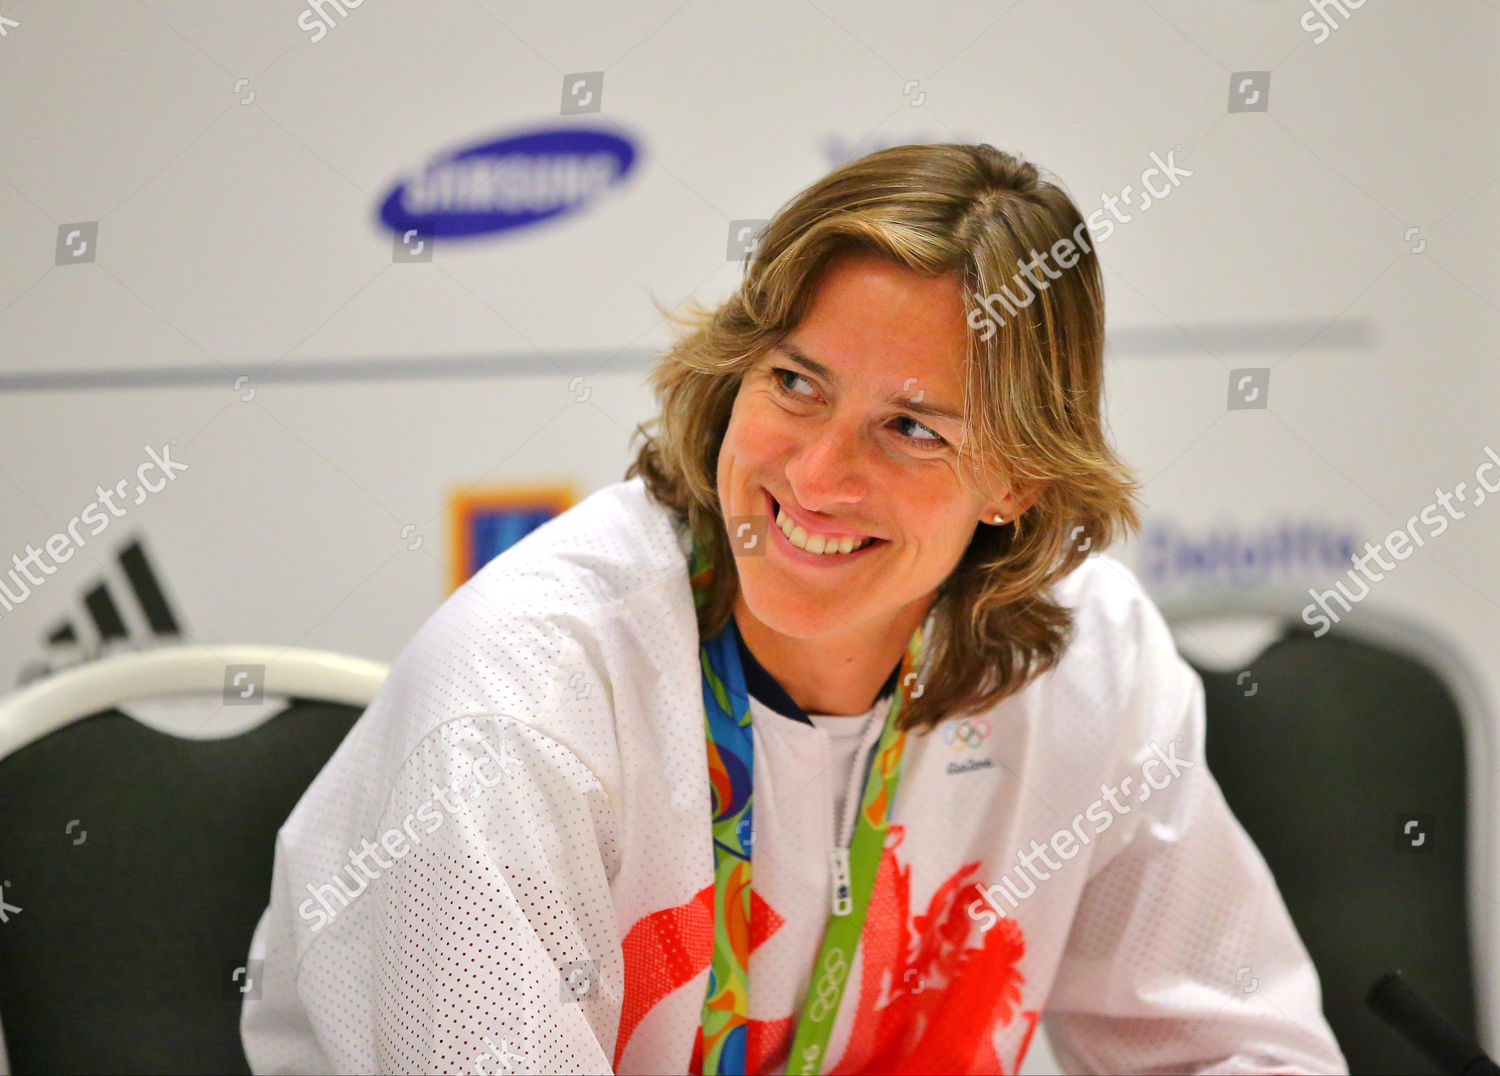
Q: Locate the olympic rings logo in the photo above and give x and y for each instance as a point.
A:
(966, 734)
(810, 1055)
(833, 970)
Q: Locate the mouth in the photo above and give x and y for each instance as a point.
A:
(813, 549)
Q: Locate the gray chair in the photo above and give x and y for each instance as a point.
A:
(1359, 763)
(136, 863)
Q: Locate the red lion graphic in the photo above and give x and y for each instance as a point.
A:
(926, 1002)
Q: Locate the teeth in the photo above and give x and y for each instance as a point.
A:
(815, 543)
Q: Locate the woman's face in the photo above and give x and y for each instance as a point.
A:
(834, 426)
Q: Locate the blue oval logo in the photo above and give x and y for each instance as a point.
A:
(510, 183)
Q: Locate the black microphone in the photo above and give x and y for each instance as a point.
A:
(1427, 1029)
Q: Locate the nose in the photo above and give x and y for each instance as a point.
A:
(827, 471)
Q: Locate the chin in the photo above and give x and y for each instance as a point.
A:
(793, 612)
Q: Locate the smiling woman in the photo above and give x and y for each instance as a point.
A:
(858, 524)
(845, 458)
(842, 381)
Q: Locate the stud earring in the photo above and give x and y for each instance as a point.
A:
(998, 520)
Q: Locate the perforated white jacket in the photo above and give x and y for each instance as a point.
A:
(506, 866)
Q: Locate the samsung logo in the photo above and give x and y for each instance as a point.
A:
(510, 183)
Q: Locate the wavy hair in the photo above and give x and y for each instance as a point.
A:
(1033, 386)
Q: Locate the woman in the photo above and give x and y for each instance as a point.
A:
(828, 741)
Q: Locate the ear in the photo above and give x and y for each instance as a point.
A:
(1031, 494)
(1015, 502)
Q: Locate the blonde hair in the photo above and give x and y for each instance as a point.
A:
(1033, 396)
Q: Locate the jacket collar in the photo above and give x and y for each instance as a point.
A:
(764, 687)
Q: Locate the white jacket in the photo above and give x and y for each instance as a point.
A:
(528, 795)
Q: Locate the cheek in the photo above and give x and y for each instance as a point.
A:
(741, 452)
(734, 432)
(940, 526)
(752, 435)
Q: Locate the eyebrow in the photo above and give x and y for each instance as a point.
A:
(917, 407)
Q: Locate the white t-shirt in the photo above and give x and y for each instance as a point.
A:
(844, 736)
(507, 866)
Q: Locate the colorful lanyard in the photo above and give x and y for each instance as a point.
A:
(731, 775)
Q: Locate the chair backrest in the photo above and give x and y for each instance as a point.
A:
(1346, 761)
(134, 866)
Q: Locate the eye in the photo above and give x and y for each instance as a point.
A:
(778, 374)
(927, 442)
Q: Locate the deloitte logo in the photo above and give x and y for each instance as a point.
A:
(509, 183)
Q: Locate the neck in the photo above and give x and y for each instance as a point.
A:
(833, 674)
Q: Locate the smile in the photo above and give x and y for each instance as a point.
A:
(816, 548)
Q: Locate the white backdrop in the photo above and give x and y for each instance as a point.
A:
(238, 301)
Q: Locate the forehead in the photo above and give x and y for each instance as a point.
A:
(881, 324)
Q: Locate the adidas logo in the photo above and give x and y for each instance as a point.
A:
(105, 629)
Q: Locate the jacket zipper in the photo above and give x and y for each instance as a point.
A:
(840, 878)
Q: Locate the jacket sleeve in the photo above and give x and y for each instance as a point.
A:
(1182, 956)
(486, 941)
